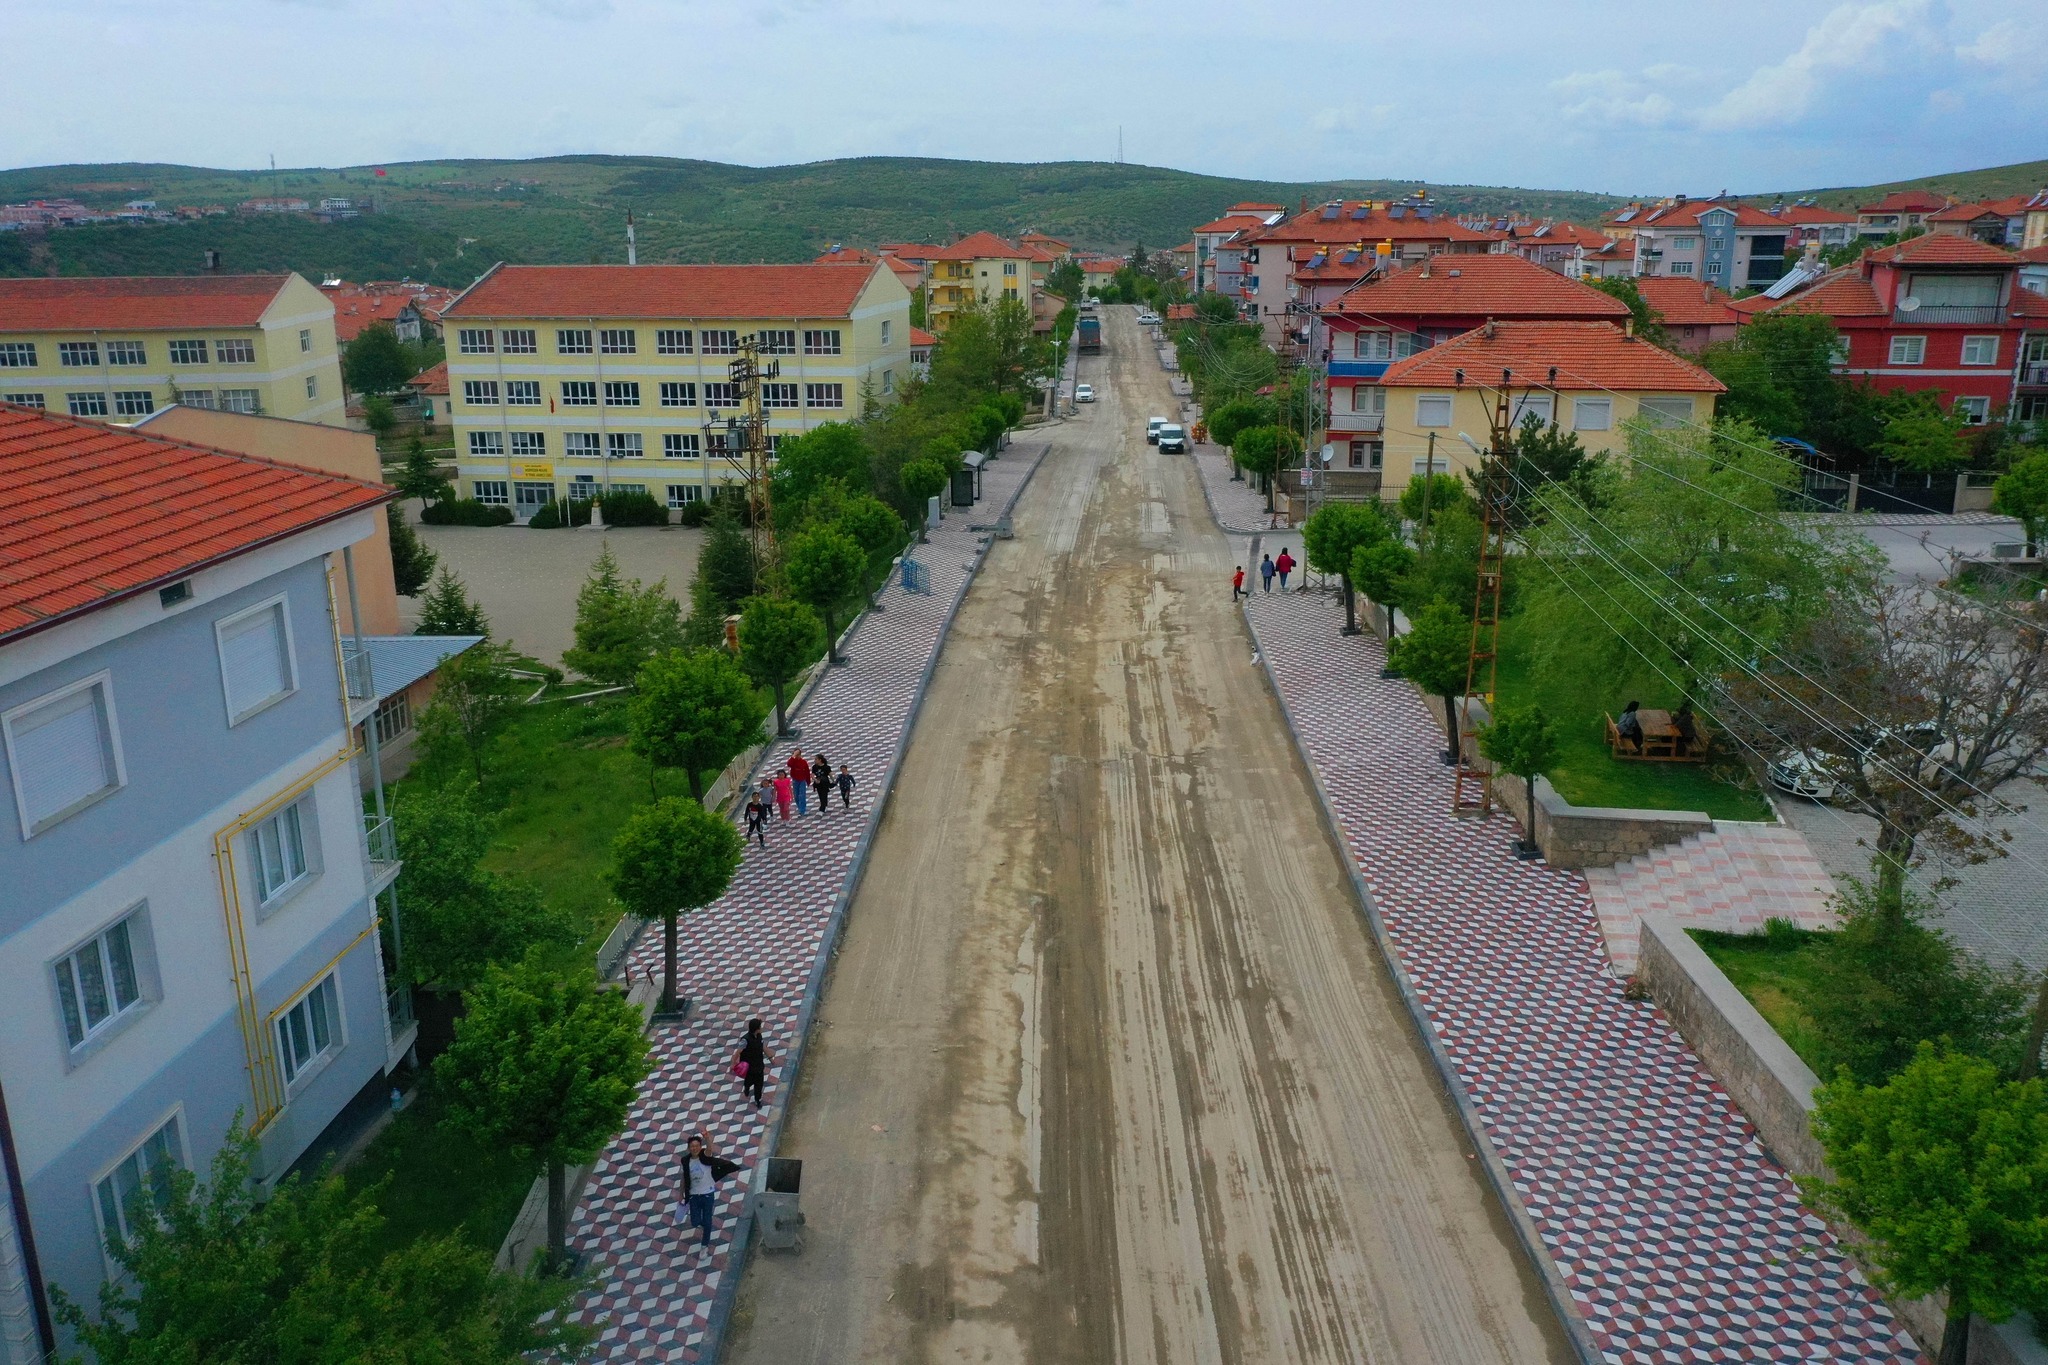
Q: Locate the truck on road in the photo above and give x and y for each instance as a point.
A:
(1088, 334)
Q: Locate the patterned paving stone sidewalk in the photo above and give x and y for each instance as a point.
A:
(760, 952)
(1676, 1236)
(1237, 506)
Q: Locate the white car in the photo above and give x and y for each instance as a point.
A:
(1797, 774)
(1084, 393)
(1152, 430)
(1149, 319)
(1172, 439)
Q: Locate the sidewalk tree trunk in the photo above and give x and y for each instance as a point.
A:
(694, 710)
(546, 1065)
(1435, 655)
(778, 638)
(922, 481)
(824, 567)
(1333, 539)
(1378, 571)
(672, 857)
(1521, 740)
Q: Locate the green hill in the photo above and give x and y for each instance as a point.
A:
(572, 209)
(1994, 182)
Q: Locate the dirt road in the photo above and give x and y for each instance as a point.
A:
(1108, 1069)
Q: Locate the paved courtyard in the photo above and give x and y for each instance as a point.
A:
(526, 580)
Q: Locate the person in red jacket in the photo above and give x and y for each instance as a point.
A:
(800, 775)
(1284, 566)
(1237, 583)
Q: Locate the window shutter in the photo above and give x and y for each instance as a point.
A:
(63, 754)
(253, 661)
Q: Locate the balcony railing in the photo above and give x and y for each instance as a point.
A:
(1934, 314)
(2035, 374)
(1358, 421)
(381, 838)
(355, 672)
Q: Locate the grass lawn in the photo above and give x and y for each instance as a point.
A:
(1774, 971)
(1587, 775)
(441, 1180)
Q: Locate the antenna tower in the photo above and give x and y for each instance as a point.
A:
(1472, 793)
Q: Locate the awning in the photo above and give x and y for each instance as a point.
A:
(399, 661)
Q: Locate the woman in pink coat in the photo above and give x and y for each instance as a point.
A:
(783, 794)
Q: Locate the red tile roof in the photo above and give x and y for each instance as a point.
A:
(845, 255)
(135, 302)
(431, 380)
(2012, 206)
(979, 246)
(1801, 214)
(664, 291)
(356, 306)
(1687, 303)
(1595, 355)
(920, 337)
(1941, 249)
(1558, 232)
(910, 251)
(1964, 213)
(1841, 293)
(1373, 225)
(2033, 255)
(90, 514)
(1498, 285)
(1688, 215)
(1236, 222)
(1906, 201)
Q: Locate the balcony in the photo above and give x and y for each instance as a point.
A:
(355, 673)
(2034, 375)
(1358, 369)
(1928, 315)
(380, 845)
(1358, 421)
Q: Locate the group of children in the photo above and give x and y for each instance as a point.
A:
(1269, 568)
(793, 786)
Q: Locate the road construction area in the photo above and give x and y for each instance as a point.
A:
(1108, 1067)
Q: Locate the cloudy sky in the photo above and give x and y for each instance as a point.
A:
(1580, 94)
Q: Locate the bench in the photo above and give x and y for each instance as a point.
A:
(1660, 740)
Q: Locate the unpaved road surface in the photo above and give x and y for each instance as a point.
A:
(1108, 1068)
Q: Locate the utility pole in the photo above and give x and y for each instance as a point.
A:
(632, 251)
(1472, 793)
(745, 447)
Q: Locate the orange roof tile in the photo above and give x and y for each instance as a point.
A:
(979, 246)
(1802, 214)
(1558, 232)
(1595, 355)
(135, 302)
(1688, 214)
(2033, 255)
(90, 514)
(1841, 293)
(431, 380)
(920, 337)
(664, 291)
(1686, 303)
(1500, 285)
(1941, 249)
(1906, 201)
(910, 251)
(2011, 206)
(1357, 218)
(1236, 222)
(845, 255)
(1964, 213)
(356, 306)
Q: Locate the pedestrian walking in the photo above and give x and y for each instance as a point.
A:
(800, 778)
(697, 1195)
(1266, 572)
(757, 819)
(1283, 566)
(750, 1063)
(784, 789)
(845, 788)
(1237, 584)
(821, 778)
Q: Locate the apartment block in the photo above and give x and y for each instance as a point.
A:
(190, 938)
(979, 268)
(118, 348)
(571, 380)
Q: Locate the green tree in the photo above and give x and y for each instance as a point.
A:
(1649, 322)
(1521, 740)
(777, 639)
(419, 477)
(671, 858)
(825, 566)
(1923, 439)
(1548, 455)
(1379, 571)
(1216, 308)
(1429, 494)
(459, 918)
(544, 1064)
(375, 362)
(2022, 492)
(304, 1275)
(448, 609)
(837, 451)
(726, 563)
(1945, 1169)
(378, 415)
(922, 481)
(475, 696)
(877, 529)
(1446, 565)
(693, 709)
(1239, 415)
(1435, 655)
(1332, 539)
(620, 624)
(1262, 451)
(1780, 373)
(412, 563)
(1065, 279)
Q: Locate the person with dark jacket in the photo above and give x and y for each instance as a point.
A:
(821, 779)
(698, 1192)
(800, 780)
(1630, 726)
(846, 781)
(1283, 566)
(1688, 729)
(757, 819)
(752, 1062)
(1266, 572)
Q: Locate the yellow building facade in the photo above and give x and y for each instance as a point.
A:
(979, 268)
(573, 380)
(119, 348)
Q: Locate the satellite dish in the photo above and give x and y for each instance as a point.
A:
(1909, 303)
(1329, 453)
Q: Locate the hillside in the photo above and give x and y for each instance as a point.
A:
(572, 209)
(1994, 182)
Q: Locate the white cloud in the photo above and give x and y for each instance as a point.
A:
(1853, 40)
(1614, 97)
(2012, 43)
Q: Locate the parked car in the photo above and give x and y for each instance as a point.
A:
(1173, 440)
(1798, 774)
(1910, 750)
(1152, 430)
(1149, 318)
(1084, 393)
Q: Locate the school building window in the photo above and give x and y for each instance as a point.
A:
(678, 395)
(777, 341)
(721, 395)
(824, 395)
(617, 341)
(825, 341)
(305, 339)
(672, 341)
(78, 355)
(677, 445)
(683, 494)
(86, 404)
(21, 355)
(579, 393)
(778, 395)
(490, 492)
(622, 393)
(312, 386)
(26, 400)
(721, 343)
(235, 352)
(520, 341)
(572, 341)
(241, 400)
(529, 445)
(480, 392)
(486, 445)
(522, 393)
(134, 402)
(188, 352)
(474, 341)
(624, 445)
(580, 445)
(126, 353)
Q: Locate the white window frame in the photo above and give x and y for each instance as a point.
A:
(678, 394)
(1678, 267)
(312, 386)
(529, 445)
(778, 395)
(1917, 345)
(134, 402)
(573, 341)
(579, 393)
(1372, 346)
(618, 341)
(719, 341)
(486, 445)
(241, 400)
(776, 340)
(1592, 414)
(475, 341)
(888, 381)
(26, 400)
(622, 393)
(491, 492)
(297, 1072)
(825, 395)
(718, 394)
(305, 340)
(17, 355)
(480, 393)
(89, 403)
(1424, 404)
(281, 608)
(1980, 341)
(190, 351)
(234, 351)
(625, 445)
(1657, 416)
(522, 393)
(78, 355)
(174, 1119)
(66, 979)
(127, 353)
(110, 738)
(301, 816)
(195, 398)
(674, 341)
(582, 445)
(1974, 409)
(683, 494)
(825, 340)
(680, 445)
(835, 339)
(519, 341)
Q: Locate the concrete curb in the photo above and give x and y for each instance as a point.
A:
(828, 948)
(1475, 1131)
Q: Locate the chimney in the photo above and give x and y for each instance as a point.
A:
(1488, 330)
(1629, 328)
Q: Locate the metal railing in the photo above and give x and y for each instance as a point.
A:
(2035, 374)
(355, 672)
(1936, 313)
(380, 836)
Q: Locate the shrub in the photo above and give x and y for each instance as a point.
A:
(633, 509)
(693, 513)
(549, 517)
(464, 512)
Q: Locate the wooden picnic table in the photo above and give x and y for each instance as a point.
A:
(1660, 739)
